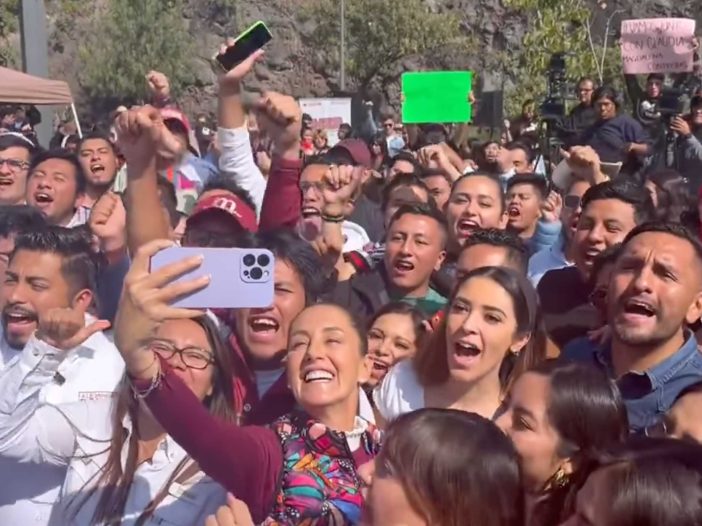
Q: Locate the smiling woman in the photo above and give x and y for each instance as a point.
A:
(301, 468)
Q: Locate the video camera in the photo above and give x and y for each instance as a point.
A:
(672, 102)
(553, 109)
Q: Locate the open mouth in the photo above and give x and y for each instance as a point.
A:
(467, 226)
(6, 181)
(309, 211)
(97, 168)
(317, 375)
(263, 325)
(402, 266)
(513, 211)
(43, 198)
(466, 349)
(591, 254)
(19, 317)
(639, 308)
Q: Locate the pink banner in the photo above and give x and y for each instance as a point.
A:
(657, 45)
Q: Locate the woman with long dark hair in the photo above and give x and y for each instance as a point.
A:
(123, 468)
(444, 467)
(670, 194)
(491, 332)
(560, 417)
(395, 333)
(301, 469)
(647, 482)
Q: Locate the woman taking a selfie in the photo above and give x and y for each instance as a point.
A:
(490, 332)
(302, 468)
(444, 467)
(122, 467)
(560, 417)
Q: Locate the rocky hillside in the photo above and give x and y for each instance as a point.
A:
(290, 65)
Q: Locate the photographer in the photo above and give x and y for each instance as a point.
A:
(687, 151)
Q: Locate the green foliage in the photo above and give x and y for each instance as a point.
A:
(9, 21)
(379, 35)
(127, 41)
(556, 26)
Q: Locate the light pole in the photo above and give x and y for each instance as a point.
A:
(342, 76)
(35, 56)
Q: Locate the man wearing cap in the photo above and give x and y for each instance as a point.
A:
(218, 219)
(349, 152)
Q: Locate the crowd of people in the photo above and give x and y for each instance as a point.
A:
(463, 332)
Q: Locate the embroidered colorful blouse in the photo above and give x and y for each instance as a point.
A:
(296, 473)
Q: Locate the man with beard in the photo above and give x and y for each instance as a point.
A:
(99, 161)
(51, 270)
(609, 212)
(655, 293)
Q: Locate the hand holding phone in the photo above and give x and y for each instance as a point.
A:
(245, 45)
(238, 277)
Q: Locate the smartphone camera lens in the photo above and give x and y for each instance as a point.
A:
(256, 273)
(249, 259)
(263, 260)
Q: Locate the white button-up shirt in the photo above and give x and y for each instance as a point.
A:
(77, 436)
(89, 372)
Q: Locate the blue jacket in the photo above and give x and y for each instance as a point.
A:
(648, 395)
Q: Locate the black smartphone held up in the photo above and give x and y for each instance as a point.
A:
(251, 40)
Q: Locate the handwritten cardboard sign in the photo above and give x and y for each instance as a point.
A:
(657, 45)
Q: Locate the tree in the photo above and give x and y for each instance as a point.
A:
(558, 26)
(379, 35)
(9, 18)
(129, 39)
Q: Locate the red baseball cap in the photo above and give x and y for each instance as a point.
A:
(172, 114)
(229, 203)
(357, 149)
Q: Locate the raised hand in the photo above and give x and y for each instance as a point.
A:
(585, 163)
(232, 78)
(340, 185)
(159, 85)
(281, 117)
(551, 207)
(143, 138)
(235, 513)
(146, 295)
(65, 329)
(108, 221)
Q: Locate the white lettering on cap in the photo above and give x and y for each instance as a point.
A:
(226, 204)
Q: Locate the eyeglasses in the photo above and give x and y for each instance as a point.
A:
(192, 357)
(571, 201)
(15, 165)
(318, 186)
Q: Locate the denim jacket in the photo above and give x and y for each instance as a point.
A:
(650, 394)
